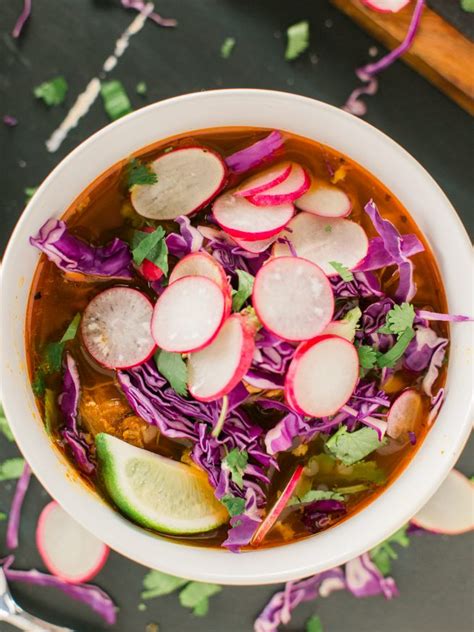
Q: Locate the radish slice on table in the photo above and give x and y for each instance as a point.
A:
(202, 264)
(325, 200)
(322, 376)
(277, 508)
(289, 190)
(67, 549)
(240, 218)
(188, 314)
(293, 298)
(264, 180)
(322, 240)
(116, 328)
(187, 180)
(451, 509)
(256, 246)
(405, 414)
(217, 369)
(386, 6)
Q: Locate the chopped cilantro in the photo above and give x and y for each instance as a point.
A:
(38, 384)
(234, 505)
(139, 173)
(151, 246)
(52, 92)
(236, 462)
(367, 357)
(3, 516)
(314, 494)
(350, 447)
(72, 328)
(174, 369)
(246, 282)
(227, 47)
(196, 596)
(344, 272)
(313, 624)
(116, 101)
(29, 192)
(11, 469)
(156, 584)
(5, 427)
(390, 357)
(383, 554)
(328, 228)
(141, 88)
(53, 357)
(467, 5)
(398, 319)
(298, 40)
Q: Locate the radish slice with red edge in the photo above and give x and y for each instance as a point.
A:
(239, 218)
(325, 200)
(187, 179)
(322, 376)
(277, 508)
(451, 509)
(289, 190)
(293, 298)
(256, 246)
(67, 549)
(188, 314)
(322, 240)
(116, 330)
(217, 369)
(202, 264)
(264, 180)
(386, 6)
(404, 415)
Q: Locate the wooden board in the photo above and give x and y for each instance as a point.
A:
(440, 53)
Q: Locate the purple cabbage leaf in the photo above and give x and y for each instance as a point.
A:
(255, 154)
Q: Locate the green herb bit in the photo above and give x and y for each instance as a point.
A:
(156, 584)
(151, 246)
(234, 505)
(350, 447)
(244, 290)
(313, 624)
(139, 173)
(391, 357)
(173, 368)
(168, 149)
(115, 99)
(3, 516)
(29, 192)
(383, 554)
(53, 357)
(11, 469)
(344, 272)
(141, 88)
(298, 40)
(227, 47)
(196, 596)
(5, 426)
(313, 495)
(38, 385)
(52, 92)
(328, 228)
(72, 328)
(399, 319)
(467, 5)
(367, 357)
(236, 462)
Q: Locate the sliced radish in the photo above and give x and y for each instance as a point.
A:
(202, 264)
(256, 246)
(293, 298)
(386, 6)
(322, 376)
(277, 508)
(217, 369)
(188, 314)
(116, 328)
(289, 190)
(322, 240)
(325, 200)
(67, 549)
(187, 180)
(264, 180)
(404, 414)
(451, 509)
(240, 218)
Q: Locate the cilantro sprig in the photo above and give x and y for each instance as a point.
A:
(313, 495)
(173, 368)
(244, 290)
(383, 554)
(343, 271)
(151, 246)
(398, 319)
(52, 92)
(139, 173)
(236, 462)
(298, 40)
(351, 447)
(234, 505)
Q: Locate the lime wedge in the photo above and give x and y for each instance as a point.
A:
(157, 492)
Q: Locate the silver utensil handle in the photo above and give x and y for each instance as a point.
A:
(25, 621)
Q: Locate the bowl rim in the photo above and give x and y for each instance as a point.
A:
(293, 560)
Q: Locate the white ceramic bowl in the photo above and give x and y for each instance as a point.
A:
(427, 204)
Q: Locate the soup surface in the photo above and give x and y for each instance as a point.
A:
(292, 436)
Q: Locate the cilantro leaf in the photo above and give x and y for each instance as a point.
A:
(11, 469)
(141, 88)
(53, 357)
(298, 40)
(234, 505)
(367, 357)
(174, 369)
(227, 47)
(52, 92)
(350, 447)
(391, 357)
(398, 319)
(115, 99)
(38, 384)
(196, 596)
(343, 271)
(151, 246)
(246, 282)
(29, 192)
(156, 584)
(5, 427)
(312, 495)
(72, 328)
(236, 462)
(467, 5)
(139, 173)
(383, 554)
(3, 516)
(313, 624)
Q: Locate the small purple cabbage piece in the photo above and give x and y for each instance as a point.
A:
(232, 257)
(373, 318)
(141, 6)
(426, 352)
(453, 318)
(364, 285)
(244, 526)
(92, 596)
(270, 362)
(378, 256)
(392, 241)
(189, 240)
(322, 513)
(255, 154)
(9, 121)
(68, 402)
(13, 526)
(74, 255)
(363, 579)
(22, 19)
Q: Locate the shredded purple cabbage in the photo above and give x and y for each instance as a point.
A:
(373, 318)
(270, 362)
(378, 256)
(232, 257)
(453, 318)
(363, 579)
(13, 526)
(9, 121)
(364, 285)
(141, 5)
(22, 19)
(74, 255)
(189, 239)
(322, 513)
(252, 156)
(93, 596)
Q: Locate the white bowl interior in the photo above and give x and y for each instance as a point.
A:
(401, 174)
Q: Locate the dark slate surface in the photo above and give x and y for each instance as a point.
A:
(452, 11)
(73, 38)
